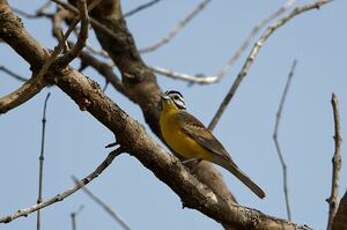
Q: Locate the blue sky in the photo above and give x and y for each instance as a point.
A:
(75, 141)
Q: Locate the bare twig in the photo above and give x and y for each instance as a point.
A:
(209, 79)
(199, 79)
(141, 7)
(34, 85)
(227, 66)
(73, 217)
(82, 37)
(106, 207)
(255, 50)
(275, 138)
(167, 38)
(12, 74)
(65, 194)
(94, 22)
(336, 161)
(41, 160)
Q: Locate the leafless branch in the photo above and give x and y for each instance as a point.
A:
(94, 22)
(73, 217)
(82, 37)
(167, 38)
(34, 85)
(199, 79)
(275, 138)
(141, 7)
(227, 66)
(106, 207)
(65, 194)
(12, 74)
(209, 79)
(336, 161)
(106, 70)
(41, 161)
(255, 50)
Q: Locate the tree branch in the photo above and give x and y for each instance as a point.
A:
(107, 208)
(41, 161)
(255, 50)
(275, 138)
(166, 39)
(12, 74)
(340, 219)
(61, 196)
(141, 7)
(336, 161)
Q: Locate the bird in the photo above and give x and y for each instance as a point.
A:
(191, 140)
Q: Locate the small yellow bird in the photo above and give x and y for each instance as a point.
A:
(191, 140)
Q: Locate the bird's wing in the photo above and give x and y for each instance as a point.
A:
(196, 130)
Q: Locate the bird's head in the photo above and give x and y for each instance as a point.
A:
(172, 100)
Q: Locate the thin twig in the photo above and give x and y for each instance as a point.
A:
(210, 79)
(255, 50)
(41, 161)
(275, 138)
(167, 38)
(106, 207)
(73, 217)
(61, 196)
(140, 8)
(336, 161)
(12, 74)
(227, 66)
(82, 37)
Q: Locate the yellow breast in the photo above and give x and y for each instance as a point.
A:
(179, 141)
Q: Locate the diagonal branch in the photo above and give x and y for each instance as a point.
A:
(275, 138)
(141, 7)
(180, 26)
(255, 50)
(333, 199)
(106, 207)
(12, 74)
(65, 194)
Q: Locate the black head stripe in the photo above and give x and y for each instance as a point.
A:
(173, 92)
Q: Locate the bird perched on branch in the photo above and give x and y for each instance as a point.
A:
(191, 140)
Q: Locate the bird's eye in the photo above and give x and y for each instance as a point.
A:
(175, 97)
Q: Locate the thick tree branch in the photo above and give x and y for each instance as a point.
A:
(255, 50)
(340, 220)
(336, 161)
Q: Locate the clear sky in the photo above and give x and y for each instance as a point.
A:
(75, 140)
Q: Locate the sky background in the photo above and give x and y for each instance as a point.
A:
(75, 140)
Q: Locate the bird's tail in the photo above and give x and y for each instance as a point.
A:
(232, 167)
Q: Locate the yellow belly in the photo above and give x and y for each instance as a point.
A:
(180, 142)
